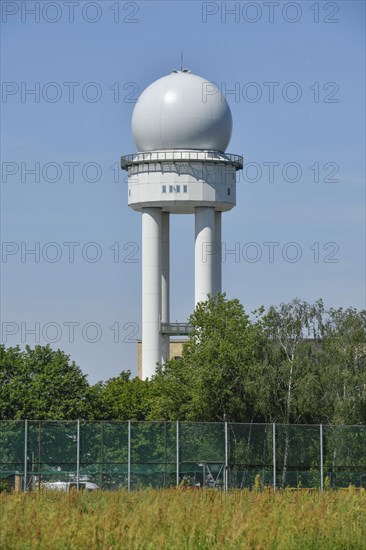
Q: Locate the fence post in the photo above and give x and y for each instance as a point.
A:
(25, 454)
(226, 470)
(177, 454)
(321, 459)
(274, 453)
(78, 454)
(39, 454)
(129, 457)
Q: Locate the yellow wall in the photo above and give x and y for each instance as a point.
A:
(176, 348)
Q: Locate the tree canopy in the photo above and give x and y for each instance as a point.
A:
(294, 363)
(42, 383)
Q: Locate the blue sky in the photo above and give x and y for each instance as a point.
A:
(319, 137)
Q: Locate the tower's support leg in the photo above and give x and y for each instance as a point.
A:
(151, 289)
(165, 302)
(218, 253)
(204, 252)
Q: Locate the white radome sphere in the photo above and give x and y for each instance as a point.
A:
(181, 111)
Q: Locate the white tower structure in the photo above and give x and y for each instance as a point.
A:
(182, 126)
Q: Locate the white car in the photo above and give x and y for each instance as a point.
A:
(66, 486)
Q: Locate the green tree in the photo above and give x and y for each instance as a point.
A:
(293, 334)
(215, 379)
(42, 383)
(343, 368)
(292, 340)
(125, 398)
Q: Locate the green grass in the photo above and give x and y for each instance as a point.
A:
(177, 519)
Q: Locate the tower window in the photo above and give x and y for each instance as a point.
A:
(164, 188)
(178, 189)
(228, 191)
(185, 188)
(171, 189)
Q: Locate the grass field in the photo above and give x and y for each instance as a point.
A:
(177, 519)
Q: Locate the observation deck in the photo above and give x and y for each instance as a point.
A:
(176, 155)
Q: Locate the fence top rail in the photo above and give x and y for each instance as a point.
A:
(181, 422)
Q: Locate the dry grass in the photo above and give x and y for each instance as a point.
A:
(176, 519)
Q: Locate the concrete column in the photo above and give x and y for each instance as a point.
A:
(165, 298)
(204, 252)
(151, 289)
(217, 253)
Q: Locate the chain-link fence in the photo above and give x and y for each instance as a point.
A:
(110, 455)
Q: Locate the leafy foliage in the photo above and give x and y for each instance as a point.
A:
(41, 383)
(295, 363)
(215, 379)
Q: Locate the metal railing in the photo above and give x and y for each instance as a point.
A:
(109, 455)
(181, 155)
(176, 329)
